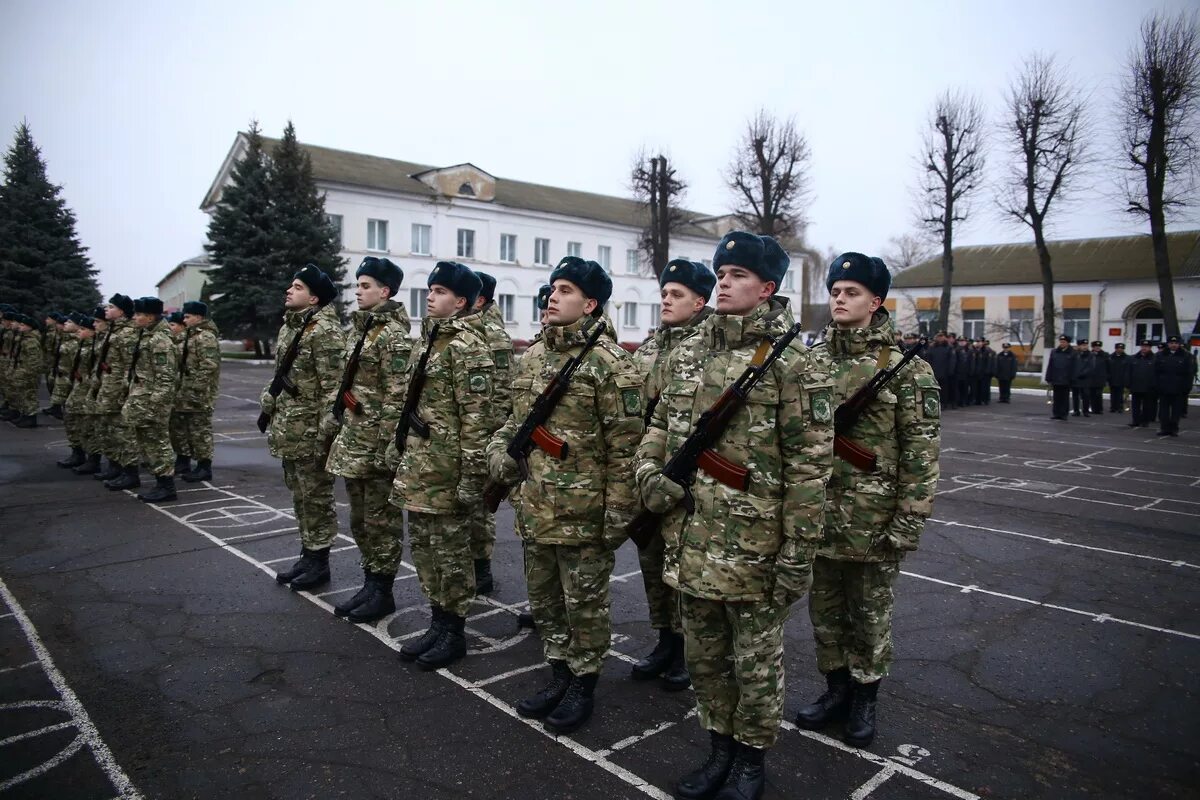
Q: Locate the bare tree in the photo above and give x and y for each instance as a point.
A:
(656, 186)
(769, 177)
(1045, 130)
(907, 249)
(952, 160)
(1158, 106)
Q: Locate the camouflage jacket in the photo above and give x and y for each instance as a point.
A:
(879, 516)
(651, 357)
(62, 373)
(500, 343)
(600, 419)
(52, 339)
(783, 435)
(155, 374)
(199, 368)
(378, 385)
(27, 359)
(434, 473)
(79, 398)
(113, 369)
(294, 433)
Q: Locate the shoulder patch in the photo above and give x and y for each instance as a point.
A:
(822, 406)
(502, 359)
(478, 381)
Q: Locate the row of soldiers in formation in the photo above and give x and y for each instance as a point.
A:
(1158, 383)
(129, 385)
(965, 368)
(717, 437)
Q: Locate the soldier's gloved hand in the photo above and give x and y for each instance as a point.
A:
(660, 494)
(266, 403)
(329, 425)
(468, 494)
(615, 523)
(503, 468)
(904, 532)
(391, 456)
(793, 573)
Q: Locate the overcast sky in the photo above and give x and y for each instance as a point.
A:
(135, 104)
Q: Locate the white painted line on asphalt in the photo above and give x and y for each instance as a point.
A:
(40, 731)
(625, 577)
(972, 485)
(1093, 615)
(245, 536)
(88, 735)
(6, 616)
(638, 737)
(993, 435)
(1065, 543)
(872, 783)
(26, 665)
(512, 673)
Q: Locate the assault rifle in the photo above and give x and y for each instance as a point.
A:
(345, 397)
(281, 382)
(57, 356)
(137, 351)
(416, 385)
(847, 414)
(696, 451)
(533, 430)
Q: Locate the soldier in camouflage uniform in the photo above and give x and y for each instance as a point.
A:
(183, 454)
(366, 426)
(65, 366)
(574, 511)
(872, 519)
(483, 522)
(439, 478)
(743, 557)
(54, 356)
(294, 432)
(6, 413)
(686, 287)
(79, 424)
(147, 410)
(25, 370)
(116, 356)
(83, 397)
(51, 338)
(199, 380)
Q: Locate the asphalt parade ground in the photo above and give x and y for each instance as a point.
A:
(1047, 639)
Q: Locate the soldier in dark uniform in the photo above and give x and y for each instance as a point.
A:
(1059, 373)
(941, 357)
(1006, 370)
(952, 388)
(1139, 377)
(962, 373)
(1117, 367)
(1173, 378)
(1098, 379)
(1081, 380)
(987, 370)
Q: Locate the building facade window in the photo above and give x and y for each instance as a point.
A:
(973, 324)
(377, 235)
(421, 236)
(335, 222)
(630, 311)
(789, 281)
(508, 248)
(466, 243)
(1077, 323)
(604, 257)
(633, 262)
(655, 315)
(536, 315)
(416, 302)
(575, 249)
(925, 322)
(507, 306)
(541, 251)
(1020, 325)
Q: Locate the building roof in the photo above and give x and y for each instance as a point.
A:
(392, 175)
(1117, 258)
(196, 262)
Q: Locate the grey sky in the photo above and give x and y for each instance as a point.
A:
(135, 104)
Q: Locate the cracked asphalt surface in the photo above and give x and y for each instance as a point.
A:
(1047, 638)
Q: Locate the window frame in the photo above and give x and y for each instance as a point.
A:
(417, 296)
(468, 240)
(508, 241)
(374, 227)
(541, 252)
(415, 241)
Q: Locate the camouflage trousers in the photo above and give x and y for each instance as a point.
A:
(87, 429)
(74, 428)
(850, 605)
(153, 444)
(482, 525)
(661, 598)
(378, 528)
(735, 655)
(568, 595)
(191, 434)
(117, 442)
(441, 552)
(23, 396)
(312, 499)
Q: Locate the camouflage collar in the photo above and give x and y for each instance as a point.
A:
(732, 331)
(667, 337)
(387, 310)
(451, 325)
(560, 338)
(293, 319)
(856, 341)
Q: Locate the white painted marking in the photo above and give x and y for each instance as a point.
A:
(625, 577)
(38, 732)
(26, 665)
(260, 534)
(512, 673)
(637, 737)
(873, 783)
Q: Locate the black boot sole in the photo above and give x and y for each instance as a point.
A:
(564, 729)
(859, 743)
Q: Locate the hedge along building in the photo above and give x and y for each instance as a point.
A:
(1104, 289)
(417, 215)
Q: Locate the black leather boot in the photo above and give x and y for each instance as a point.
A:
(27, 421)
(703, 783)
(202, 472)
(747, 778)
(55, 411)
(484, 583)
(576, 706)
(449, 647)
(379, 601)
(89, 467)
(76, 458)
(657, 661)
(860, 725)
(298, 567)
(183, 465)
(109, 472)
(164, 490)
(415, 647)
(317, 573)
(550, 695)
(526, 620)
(128, 479)
(831, 705)
(677, 678)
(346, 606)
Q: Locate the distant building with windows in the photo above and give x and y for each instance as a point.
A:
(1104, 289)
(184, 282)
(417, 215)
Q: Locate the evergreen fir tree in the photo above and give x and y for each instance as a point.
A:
(43, 266)
(301, 232)
(245, 285)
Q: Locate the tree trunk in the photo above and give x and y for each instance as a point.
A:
(1048, 333)
(1156, 179)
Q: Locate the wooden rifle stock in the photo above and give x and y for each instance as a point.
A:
(846, 416)
(408, 416)
(281, 383)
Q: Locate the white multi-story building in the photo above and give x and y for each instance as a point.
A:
(417, 215)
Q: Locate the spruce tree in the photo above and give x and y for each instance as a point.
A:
(300, 232)
(246, 288)
(43, 267)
